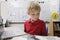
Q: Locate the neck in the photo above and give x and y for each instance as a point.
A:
(33, 20)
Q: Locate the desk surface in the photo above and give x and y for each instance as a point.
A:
(18, 33)
(48, 37)
(12, 32)
(39, 37)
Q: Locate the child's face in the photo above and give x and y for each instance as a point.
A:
(34, 14)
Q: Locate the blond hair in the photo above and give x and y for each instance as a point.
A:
(34, 5)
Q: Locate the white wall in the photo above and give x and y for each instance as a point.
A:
(54, 5)
(21, 26)
(45, 11)
(0, 8)
(59, 9)
(51, 6)
(4, 12)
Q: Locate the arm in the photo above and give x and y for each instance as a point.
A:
(24, 27)
(44, 32)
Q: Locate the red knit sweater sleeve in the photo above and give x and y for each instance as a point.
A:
(24, 27)
(44, 32)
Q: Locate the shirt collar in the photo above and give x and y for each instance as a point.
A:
(34, 21)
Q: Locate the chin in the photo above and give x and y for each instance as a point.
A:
(35, 19)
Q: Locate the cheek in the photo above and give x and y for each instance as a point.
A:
(35, 15)
(31, 16)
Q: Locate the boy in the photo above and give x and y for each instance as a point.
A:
(34, 26)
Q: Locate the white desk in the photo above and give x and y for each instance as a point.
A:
(48, 37)
(18, 33)
(39, 37)
(12, 32)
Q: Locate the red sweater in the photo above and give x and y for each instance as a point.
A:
(36, 28)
